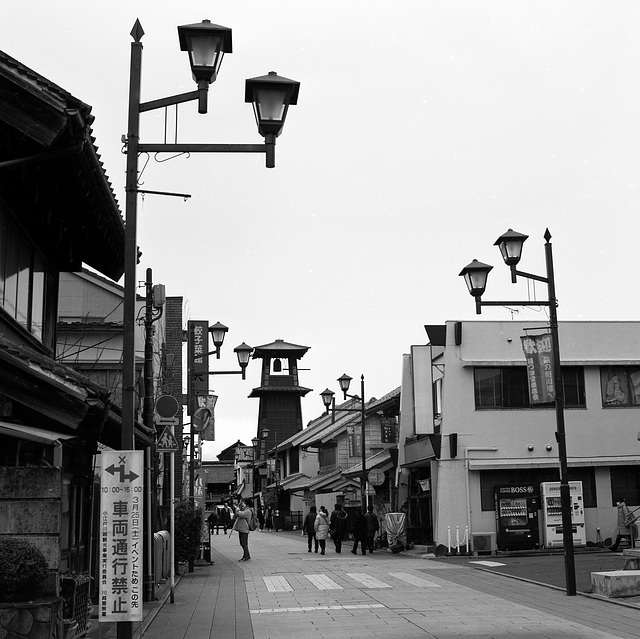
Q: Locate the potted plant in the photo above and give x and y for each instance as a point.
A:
(26, 606)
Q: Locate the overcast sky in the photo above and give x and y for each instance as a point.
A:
(424, 130)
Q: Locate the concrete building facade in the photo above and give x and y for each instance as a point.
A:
(468, 427)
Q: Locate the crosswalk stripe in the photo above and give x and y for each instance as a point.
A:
(413, 580)
(367, 580)
(277, 583)
(313, 608)
(322, 582)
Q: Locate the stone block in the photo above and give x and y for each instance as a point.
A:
(616, 583)
(30, 482)
(30, 517)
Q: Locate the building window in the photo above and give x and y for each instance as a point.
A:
(625, 482)
(27, 287)
(620, 385)
(506, 387)
(294, 460)
(327, 457)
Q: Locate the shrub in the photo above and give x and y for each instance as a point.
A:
(23, 569)
(188, 529)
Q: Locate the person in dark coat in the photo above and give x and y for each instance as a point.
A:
(373, 526)
(260, 515)
(309, 527)
(624, 524)
(359, 532)
(268, 518)
(338, 526)
(224, 518)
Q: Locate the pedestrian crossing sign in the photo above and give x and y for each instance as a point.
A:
(167, 443)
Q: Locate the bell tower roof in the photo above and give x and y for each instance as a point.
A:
(279, 349)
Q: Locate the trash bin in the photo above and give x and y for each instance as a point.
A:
(206, 552)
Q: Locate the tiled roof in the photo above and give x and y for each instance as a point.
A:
(44, 118)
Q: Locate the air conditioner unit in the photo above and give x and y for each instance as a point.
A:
(484, 542)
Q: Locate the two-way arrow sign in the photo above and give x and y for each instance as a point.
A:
(112, 470)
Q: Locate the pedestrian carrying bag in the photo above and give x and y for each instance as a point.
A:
(253, 520)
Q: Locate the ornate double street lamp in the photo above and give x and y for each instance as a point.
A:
(329, 402)
(475, 276)
(271, 96)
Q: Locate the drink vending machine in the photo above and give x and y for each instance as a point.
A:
(517, 517)
(552, 514)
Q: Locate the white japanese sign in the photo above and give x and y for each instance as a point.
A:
(121, 513)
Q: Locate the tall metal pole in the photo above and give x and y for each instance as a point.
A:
(124, 629)
(565, 493)
(363, 480)
(192, 476)
(150, 452)
(130, 245)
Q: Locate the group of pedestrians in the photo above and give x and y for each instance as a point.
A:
(319, 526)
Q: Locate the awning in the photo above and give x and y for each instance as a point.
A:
(38, 435)
(298, 481)
(32, 433)
(382, 461)
(419, 463)
(574, 462)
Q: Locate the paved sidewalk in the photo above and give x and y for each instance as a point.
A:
(286, 592)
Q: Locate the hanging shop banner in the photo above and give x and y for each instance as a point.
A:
(538, 353)
(203, 418)
(197, 361)
(121, 511)
(353, 437)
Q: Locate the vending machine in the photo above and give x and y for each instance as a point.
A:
(517, 517)
(552, 514)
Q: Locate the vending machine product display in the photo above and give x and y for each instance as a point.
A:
(552, 514)
(517, 517)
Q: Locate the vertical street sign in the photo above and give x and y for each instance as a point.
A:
(121, 514)
(197, 362)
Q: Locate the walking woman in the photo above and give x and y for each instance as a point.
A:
(321, 527)
(241, 526)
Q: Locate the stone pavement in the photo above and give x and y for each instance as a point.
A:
(286, 592)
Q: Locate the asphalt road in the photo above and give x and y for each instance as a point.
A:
(548, 568)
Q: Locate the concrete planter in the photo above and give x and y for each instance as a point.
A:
(37, 619)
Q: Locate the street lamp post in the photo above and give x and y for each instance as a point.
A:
(243, 353)
(475, 275)
(271, 96)
(329, 404)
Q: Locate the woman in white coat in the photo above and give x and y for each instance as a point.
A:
(321, 527)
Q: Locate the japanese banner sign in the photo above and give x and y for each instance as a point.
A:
(197, 361)
(538, 352)
(353, 437)
(204, 418)
(121, 512)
